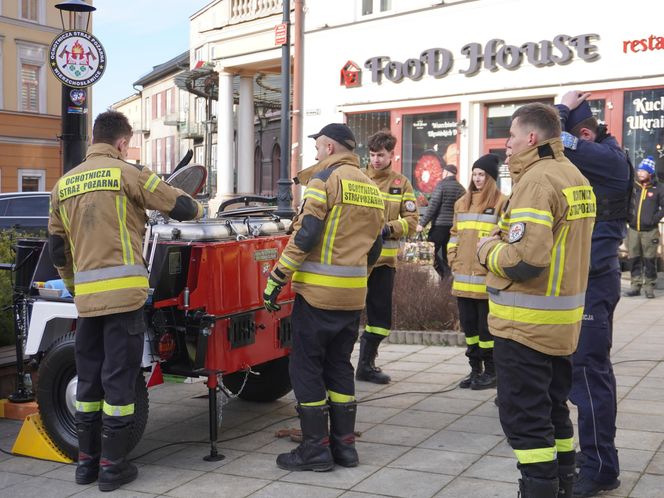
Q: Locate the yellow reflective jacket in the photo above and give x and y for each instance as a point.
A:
(337, 228)
(400, 210)
(538, 270)
(97, 225)
(469, 226)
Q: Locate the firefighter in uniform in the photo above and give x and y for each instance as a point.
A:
(335, 240)
(401, 218)
(96, 230)
(606, 166)
(538, 270)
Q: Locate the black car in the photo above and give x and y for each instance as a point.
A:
(24, 211)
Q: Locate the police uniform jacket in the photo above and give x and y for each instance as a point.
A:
(336, 235)
(97, 225)
(647, 206)
(470, 225)
(538, 270)
(400, 210)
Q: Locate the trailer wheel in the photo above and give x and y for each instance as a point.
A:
(272, 383)
(56, 396)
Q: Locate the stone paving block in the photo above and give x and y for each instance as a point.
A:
(656, 465)
(251, 442)
(8, 479)
(634, 460)
(191, 458)
(403, 483)
(219, 486)
(40, 487)
(151, 450)
(28, 466)
(402, 401)
(445, 404)
(413, 366)
(159, 479)
(258, 465)
(486, 409)
(477, 425)
(627, 482)
(464, 442)
(357, 494)
(439, 462)
(93, 491)
(503, 449)
(638, 440)
(375, 414)
(649, 486)
(627, 380)
(378, 454)
(279, 445)
(284, 489)
(437, 380)
(423, 419)
(494, 468)
(456, 369)
(477, 488)
(648, 423)
(641, 406)
(342, 478)
(394, 434)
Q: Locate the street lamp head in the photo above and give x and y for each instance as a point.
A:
(75, 6)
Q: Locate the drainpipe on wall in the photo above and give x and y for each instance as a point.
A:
(298, 75)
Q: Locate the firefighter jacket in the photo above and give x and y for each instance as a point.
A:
(336, 235)
(647, 206)
(97, 225)
(400, 210)
(470, 225)
(538, 269)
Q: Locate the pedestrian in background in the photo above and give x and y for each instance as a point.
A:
(400, 220)
(601, 160)
(336, 239)
(646, 212)
(538, 271)
(475, 216)
(440, 213)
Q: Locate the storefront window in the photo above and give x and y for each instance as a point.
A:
(364, 125)
(643, 126)
(429, 142)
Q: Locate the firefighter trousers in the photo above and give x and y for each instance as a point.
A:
(473, 316)
(109, 350)
(379, 300)
(532, 405)
(594, 383)
(323, 341)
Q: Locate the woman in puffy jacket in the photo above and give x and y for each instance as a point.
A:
(476, 215)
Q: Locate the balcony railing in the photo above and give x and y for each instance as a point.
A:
(191, 130)
(139, 126)
(175, 118)
(247, 10)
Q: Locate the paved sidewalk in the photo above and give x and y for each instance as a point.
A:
(413, 445)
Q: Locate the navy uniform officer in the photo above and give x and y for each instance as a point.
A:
(602, 161)
(96, 230)
(335, 240)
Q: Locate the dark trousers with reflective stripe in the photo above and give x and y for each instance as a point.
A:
(473, 315)
(440, 236)
(379, 299)
(594, 383)
(108, 360)
(323, 341)
(532, 404)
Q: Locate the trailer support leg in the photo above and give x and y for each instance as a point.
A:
(214, 455)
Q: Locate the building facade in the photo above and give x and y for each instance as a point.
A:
(30, 96)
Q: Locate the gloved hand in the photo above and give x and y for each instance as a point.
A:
(385, 234)
(270, 294)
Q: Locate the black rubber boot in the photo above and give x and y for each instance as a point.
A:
(566, 475)
(531, 487)
(488, 379)
(633, 292)
(114, 469)
(313, 453)
(342, 433)
(475, 372)
(89, 449)
(366, 368)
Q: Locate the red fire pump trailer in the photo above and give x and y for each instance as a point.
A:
(205, 317)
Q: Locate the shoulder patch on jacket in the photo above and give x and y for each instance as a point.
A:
(395, 190)
(517, 231)
(325, 174)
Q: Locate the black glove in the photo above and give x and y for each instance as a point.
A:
(270, 294)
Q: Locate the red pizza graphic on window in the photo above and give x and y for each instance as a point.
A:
(428, 172)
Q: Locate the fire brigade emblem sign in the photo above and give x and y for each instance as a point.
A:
(517, 231)
(77, 58)
(351, 75)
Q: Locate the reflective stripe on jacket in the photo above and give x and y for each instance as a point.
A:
(468, 228)
(538, 270)
(97, 225)
(400, 210)
(338, 224)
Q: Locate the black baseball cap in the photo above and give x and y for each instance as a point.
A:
(339, 132)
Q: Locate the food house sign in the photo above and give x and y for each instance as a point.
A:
(494, 55)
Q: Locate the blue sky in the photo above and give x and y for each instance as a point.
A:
(136, 35)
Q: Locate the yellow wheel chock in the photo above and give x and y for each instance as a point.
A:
(33, 441)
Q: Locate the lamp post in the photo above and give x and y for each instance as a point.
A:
(78, 60)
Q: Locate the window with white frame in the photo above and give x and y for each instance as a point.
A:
(169, 101)
(31, 10)
(148, 153)
(169, 154)
(31, 77)
(160, 103)
(31, 180)
(375, 6)
(158, 159)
